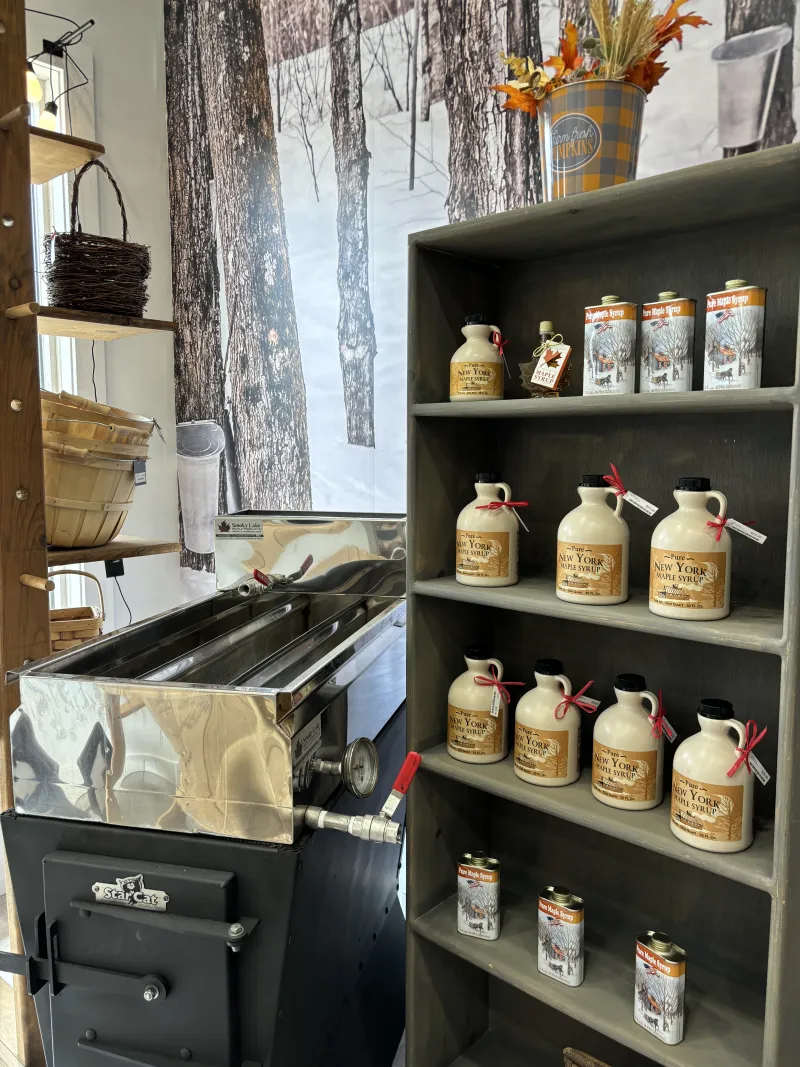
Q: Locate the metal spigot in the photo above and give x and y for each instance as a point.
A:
(265, 583)
(381, 827)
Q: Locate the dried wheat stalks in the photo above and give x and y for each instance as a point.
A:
(626, 39)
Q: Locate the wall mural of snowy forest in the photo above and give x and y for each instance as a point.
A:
(307, 139)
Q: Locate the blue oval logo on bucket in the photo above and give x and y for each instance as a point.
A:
(576, 141)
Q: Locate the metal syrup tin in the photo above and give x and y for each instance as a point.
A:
(734, 336)
(660, 980)
(609, 347)
(478, 881)
(666, 344)
(560, 935)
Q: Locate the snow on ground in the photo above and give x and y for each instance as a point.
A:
(680, 130)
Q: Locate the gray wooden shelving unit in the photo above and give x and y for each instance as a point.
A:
(483, 1004)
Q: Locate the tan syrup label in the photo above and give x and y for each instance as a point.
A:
(687, 579)
(477, 733)
(543, 753)
(476, 379)
(482, 553)
(589, 570)
(708, 812)
(624, 775)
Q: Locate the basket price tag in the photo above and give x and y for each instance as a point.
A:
(591, 700)
(640, 503)
(668, 729)
(759, 769)
(754, 535)
(139, 472)
(497, 701)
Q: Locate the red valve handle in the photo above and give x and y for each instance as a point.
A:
(407, 771)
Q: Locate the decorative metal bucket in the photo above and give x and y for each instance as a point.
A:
(589, 133)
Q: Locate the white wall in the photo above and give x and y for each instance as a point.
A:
(126, 49)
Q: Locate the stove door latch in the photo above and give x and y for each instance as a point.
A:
(233, 934)
(381, 827)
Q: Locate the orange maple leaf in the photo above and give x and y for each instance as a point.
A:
(647, 74)
(670, 26)
(569, 46)
(517, 99)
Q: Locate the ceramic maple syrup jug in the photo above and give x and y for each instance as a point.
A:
(547, 735)
(592, 551)
(487, 535)
(709, 810)
(474, 735)
(476, 368)
(627, 752)
(690, 558)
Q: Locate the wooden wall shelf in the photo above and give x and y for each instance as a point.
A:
(473, 1003)
(120, 548)
(53, 154)
(86, 325)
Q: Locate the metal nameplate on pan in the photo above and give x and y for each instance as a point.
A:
(131, 892)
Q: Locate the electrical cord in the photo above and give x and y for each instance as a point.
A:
(125, 602)
(94, 367)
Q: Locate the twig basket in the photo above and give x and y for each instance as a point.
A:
(573, 1058)
(72, 626)
(86, 272)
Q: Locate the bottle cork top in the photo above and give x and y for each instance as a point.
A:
(546, 326)
(609, 300)
(669, 294)
(735, 283)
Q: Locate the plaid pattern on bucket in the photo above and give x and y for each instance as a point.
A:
(589, 133)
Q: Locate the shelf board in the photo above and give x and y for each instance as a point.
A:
(53, 154)
(718, 1033)
(575, 803)
(493, 1050)
(681, 200)
(119, 548)
(779, 399)
(756, 629)
(95, 325)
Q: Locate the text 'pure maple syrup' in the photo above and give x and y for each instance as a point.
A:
(734, 336)
(627, 754)
(560, 935)
(477, 712)
(711, 810)
(609, 348)
(592, 549)
(660, 981)
(690, 558)
(476, 368)
(478, 896)
(547, 745)
(487, 535)
(666, 344)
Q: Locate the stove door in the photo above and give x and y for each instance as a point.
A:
(176, 1003)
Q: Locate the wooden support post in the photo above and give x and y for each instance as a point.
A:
(24, 615)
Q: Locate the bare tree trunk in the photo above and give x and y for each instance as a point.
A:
(470, 47)
(199, 376)
(268, 406)
(523, 172)
(426, 60)
(412, 107)
(357, 345)
(743, 16)
(577, 12)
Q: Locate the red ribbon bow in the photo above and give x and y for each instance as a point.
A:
(658, 719)
(563, 707)
(495, 504)
(751, 740)
(500, 342)
(615, 481)
(720, 522)
(481, 679)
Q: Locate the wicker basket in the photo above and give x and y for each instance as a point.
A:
(573, 1058)
(72, 626)
(87, 497)
(87, 272)
(82, 418)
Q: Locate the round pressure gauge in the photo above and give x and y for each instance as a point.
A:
(360, 767)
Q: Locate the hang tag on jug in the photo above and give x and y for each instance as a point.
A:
(640, 503)
(759, 769)
(740, 528)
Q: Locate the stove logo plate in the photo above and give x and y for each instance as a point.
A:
(130, 892)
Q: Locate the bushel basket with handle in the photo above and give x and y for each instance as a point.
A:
(86, 272)
(72, 626)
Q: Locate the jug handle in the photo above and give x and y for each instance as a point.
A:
(652, 700)
(721, 499)
(495, 330)
(566, 684)
(498, 666)
(506, 488)
(618, 507)
(738, 728)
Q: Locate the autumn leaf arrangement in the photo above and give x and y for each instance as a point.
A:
(628, 47)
